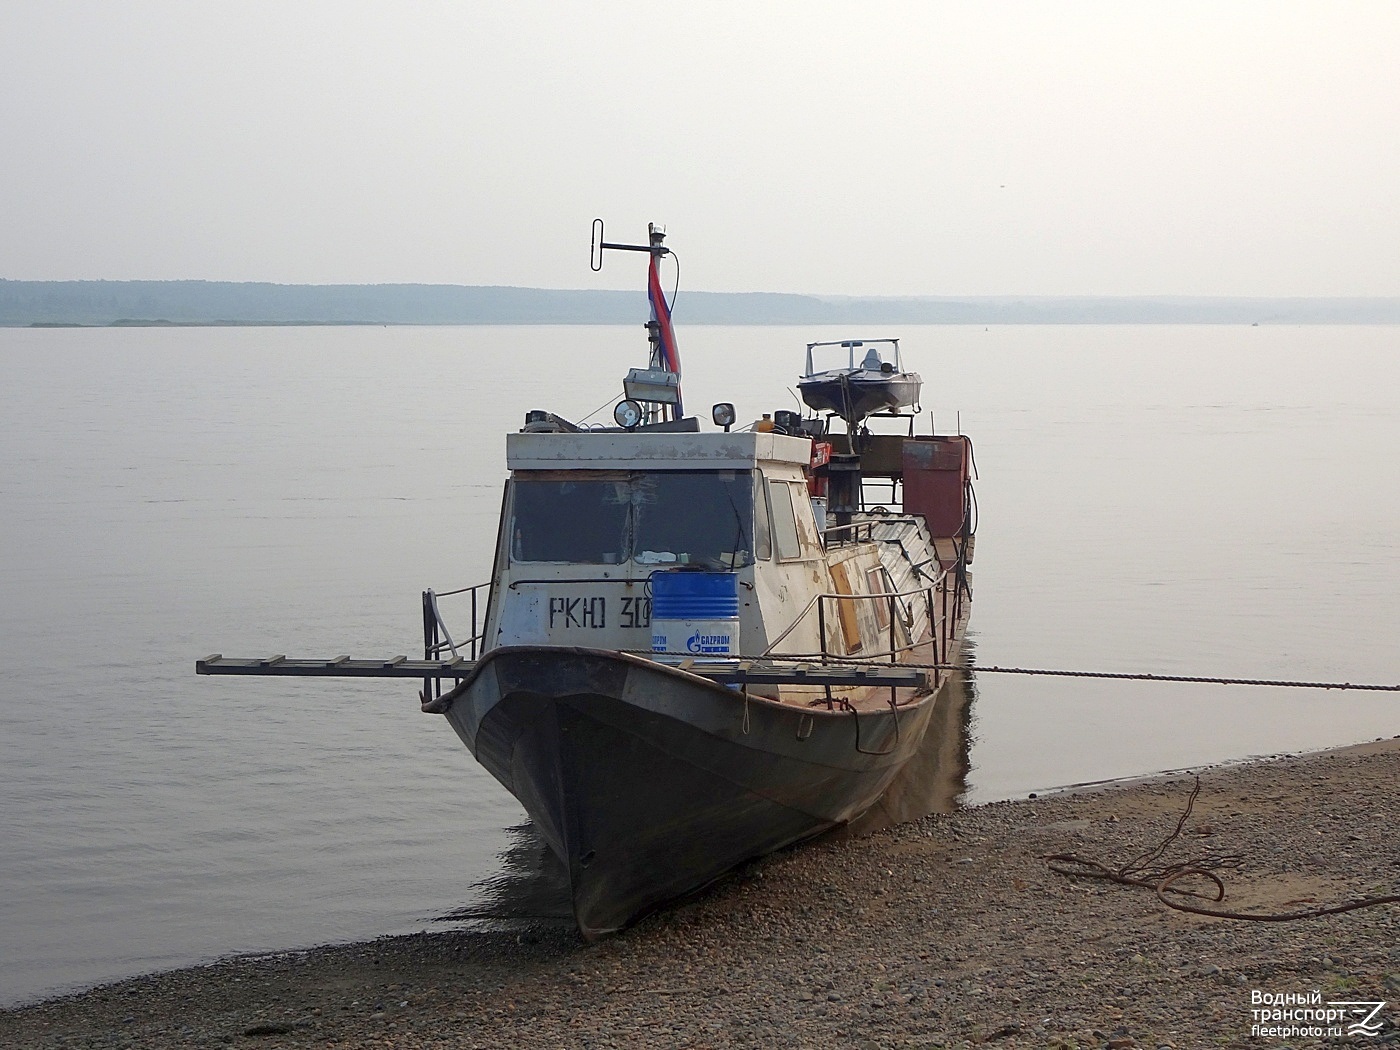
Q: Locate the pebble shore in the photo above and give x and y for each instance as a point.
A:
(945, 932)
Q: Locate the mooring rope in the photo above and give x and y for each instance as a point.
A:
(1138, 873)
(880, 659)
(1122, 676)
(1143, 677)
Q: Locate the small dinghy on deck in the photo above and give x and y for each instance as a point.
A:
(676, 666)
(838, 383)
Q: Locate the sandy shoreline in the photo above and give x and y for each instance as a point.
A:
(946, 932)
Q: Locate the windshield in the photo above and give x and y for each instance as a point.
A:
(674, 517)
(572, 521)
(869, 354)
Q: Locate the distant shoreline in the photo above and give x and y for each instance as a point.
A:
(161, 323)
(697, 324)
(132, 304)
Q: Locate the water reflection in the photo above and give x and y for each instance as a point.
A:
(935, 779)
(531, 885)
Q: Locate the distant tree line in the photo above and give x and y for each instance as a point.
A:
(227, 302)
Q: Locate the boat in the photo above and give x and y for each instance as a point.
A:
(697, 645)
(837, 383)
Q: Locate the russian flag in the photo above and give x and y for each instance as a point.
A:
(661, 314)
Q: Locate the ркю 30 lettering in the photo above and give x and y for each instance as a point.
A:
(592, 612)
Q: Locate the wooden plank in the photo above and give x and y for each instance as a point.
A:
(729, 672)
(806, 674)
(342, 667)
(846, 610)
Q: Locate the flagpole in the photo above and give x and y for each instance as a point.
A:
(664, 353)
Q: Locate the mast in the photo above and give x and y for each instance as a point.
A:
(663, 358)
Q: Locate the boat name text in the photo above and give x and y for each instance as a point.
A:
(591, 612)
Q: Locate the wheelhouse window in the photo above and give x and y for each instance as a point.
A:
(794, 529)
(699, 517)
(570, 521)
(784, 521)
(762, 535)
(657, 518)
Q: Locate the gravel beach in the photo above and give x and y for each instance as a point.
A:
(950, 931)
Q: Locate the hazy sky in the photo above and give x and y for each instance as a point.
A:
(865, 148)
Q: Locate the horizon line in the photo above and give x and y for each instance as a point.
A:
(930, 296)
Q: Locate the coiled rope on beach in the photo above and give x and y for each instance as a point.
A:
(1163, 879)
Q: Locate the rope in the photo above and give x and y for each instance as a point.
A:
(1123, 676)
(600, 408)
(1137, 873)
(1199, 679)
(1285, 916)
(1162, 879)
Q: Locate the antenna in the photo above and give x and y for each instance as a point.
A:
(659, 384)
(655, 235)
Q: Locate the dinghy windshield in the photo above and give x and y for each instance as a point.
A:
(869, 355)
(702, 518)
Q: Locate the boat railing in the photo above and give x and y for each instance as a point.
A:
(943, 610)
(863, 531)
(437, 637)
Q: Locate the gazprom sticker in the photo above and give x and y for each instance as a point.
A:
(696, 637)
(711, 644)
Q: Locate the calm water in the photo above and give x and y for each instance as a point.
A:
(1177, 499)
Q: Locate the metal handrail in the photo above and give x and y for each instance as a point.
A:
(817, 598)
(437, 638)
(434, 624)
(430, 605)
(869, 524)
